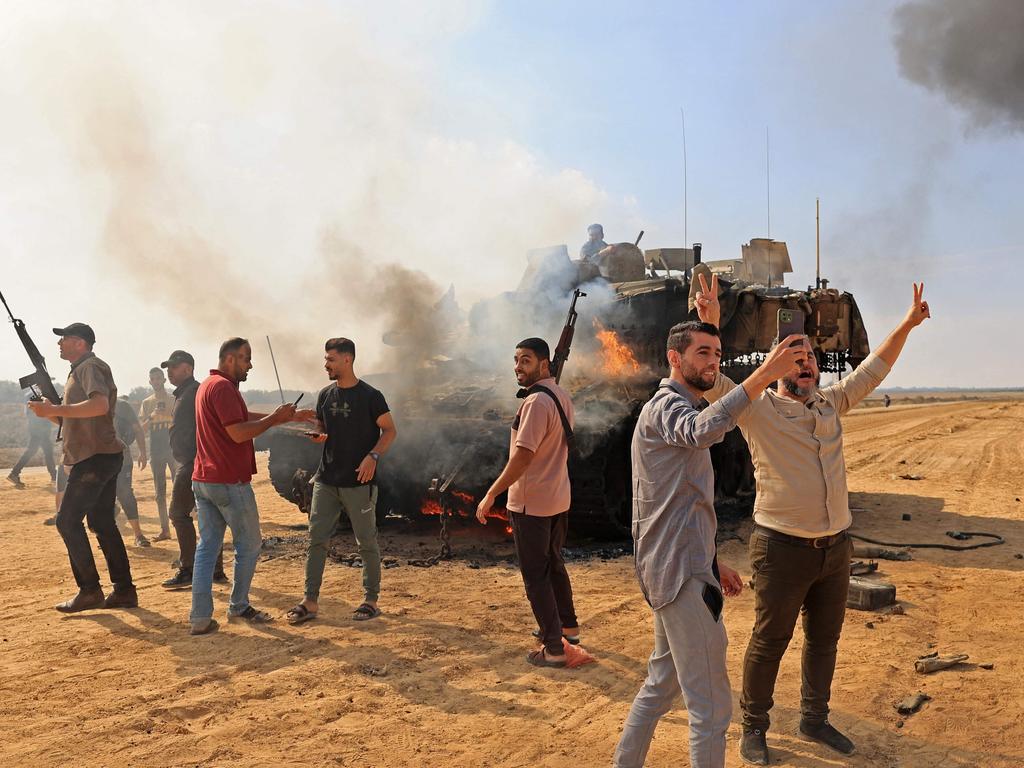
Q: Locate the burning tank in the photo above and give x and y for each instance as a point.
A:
(454, 423)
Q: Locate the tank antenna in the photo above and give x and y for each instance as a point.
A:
(272, 360)
(686, 241)
(768, 179)
(817, 242)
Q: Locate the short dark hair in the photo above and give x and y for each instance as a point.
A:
(155, 370)
(680, 336)
(342, 346)
(231, 347)
(539, 347)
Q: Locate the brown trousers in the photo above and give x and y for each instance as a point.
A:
(790, 580)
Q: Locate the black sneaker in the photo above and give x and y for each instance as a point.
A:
(221, 578)
(754, 747)
(825, 733)
(50, 520)
(181, 580)
(16, 480)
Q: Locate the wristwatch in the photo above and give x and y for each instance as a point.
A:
(374, 455)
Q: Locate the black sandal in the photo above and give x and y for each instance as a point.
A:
(365, 612)
(300, 614)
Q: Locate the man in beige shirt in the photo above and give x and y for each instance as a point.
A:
(799, 550)
(155, 415)
(537, 480)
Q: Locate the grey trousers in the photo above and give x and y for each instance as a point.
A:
(688, 656)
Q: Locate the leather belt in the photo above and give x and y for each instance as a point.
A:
(821, 542)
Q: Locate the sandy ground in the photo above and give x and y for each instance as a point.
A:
(440, 679)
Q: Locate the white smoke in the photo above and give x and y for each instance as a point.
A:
(292, 169)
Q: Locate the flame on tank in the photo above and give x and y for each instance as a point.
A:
(616, 358)
(467, 508)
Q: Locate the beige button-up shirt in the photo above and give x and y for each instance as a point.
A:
(797, 450)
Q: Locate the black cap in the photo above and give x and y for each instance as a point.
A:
(178, 356)
(81, 330)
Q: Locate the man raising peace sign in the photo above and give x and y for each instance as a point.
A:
(799, 549)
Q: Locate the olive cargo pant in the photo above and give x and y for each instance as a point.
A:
(360, 504)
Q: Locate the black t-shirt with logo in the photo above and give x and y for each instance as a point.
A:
(349, 416)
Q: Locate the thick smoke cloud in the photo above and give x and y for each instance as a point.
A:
(296, 170)
(970, 52)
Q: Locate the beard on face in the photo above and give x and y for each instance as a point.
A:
(801, 387)
(528, 379)
(695, 378)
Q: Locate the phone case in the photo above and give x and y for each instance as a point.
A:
(713, 600)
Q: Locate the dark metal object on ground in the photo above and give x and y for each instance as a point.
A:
(868, 595)
(438, 492)
(912, 704)
(445, 553)
(860, 568)
(959, 535)
(879, 553)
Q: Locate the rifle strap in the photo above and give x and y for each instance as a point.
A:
(522, 393)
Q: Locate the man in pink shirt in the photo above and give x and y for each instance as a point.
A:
(537, 479)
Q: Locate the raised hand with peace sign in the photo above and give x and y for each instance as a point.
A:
(706, 301)
(890, 349)
(918, 311)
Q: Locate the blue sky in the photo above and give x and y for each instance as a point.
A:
(909, 188)
(289, 144)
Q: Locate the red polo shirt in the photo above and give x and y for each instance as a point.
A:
(219, 459)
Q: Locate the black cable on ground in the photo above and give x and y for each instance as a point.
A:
(952, 547)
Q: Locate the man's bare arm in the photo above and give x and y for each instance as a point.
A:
(96, 405)
(248, 430)
(517, 464)
(140, 439)
(890, 349)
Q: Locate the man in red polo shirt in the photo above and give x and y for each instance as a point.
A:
(224, 466)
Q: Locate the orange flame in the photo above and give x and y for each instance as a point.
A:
(616, 358)
(433, 508)
(430, 507)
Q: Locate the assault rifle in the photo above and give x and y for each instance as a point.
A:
(39, 381)
(565, 340)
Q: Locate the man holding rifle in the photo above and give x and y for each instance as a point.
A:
(537, 480)
(799, 550)
(94, 454)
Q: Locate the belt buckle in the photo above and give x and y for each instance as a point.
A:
(822, 542)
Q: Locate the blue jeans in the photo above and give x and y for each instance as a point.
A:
(220, 506)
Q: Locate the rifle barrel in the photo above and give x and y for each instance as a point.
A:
(7, 307)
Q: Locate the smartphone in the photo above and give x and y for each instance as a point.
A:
(791, 321)
(713, 600)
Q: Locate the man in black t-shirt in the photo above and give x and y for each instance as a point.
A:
(356, 428)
